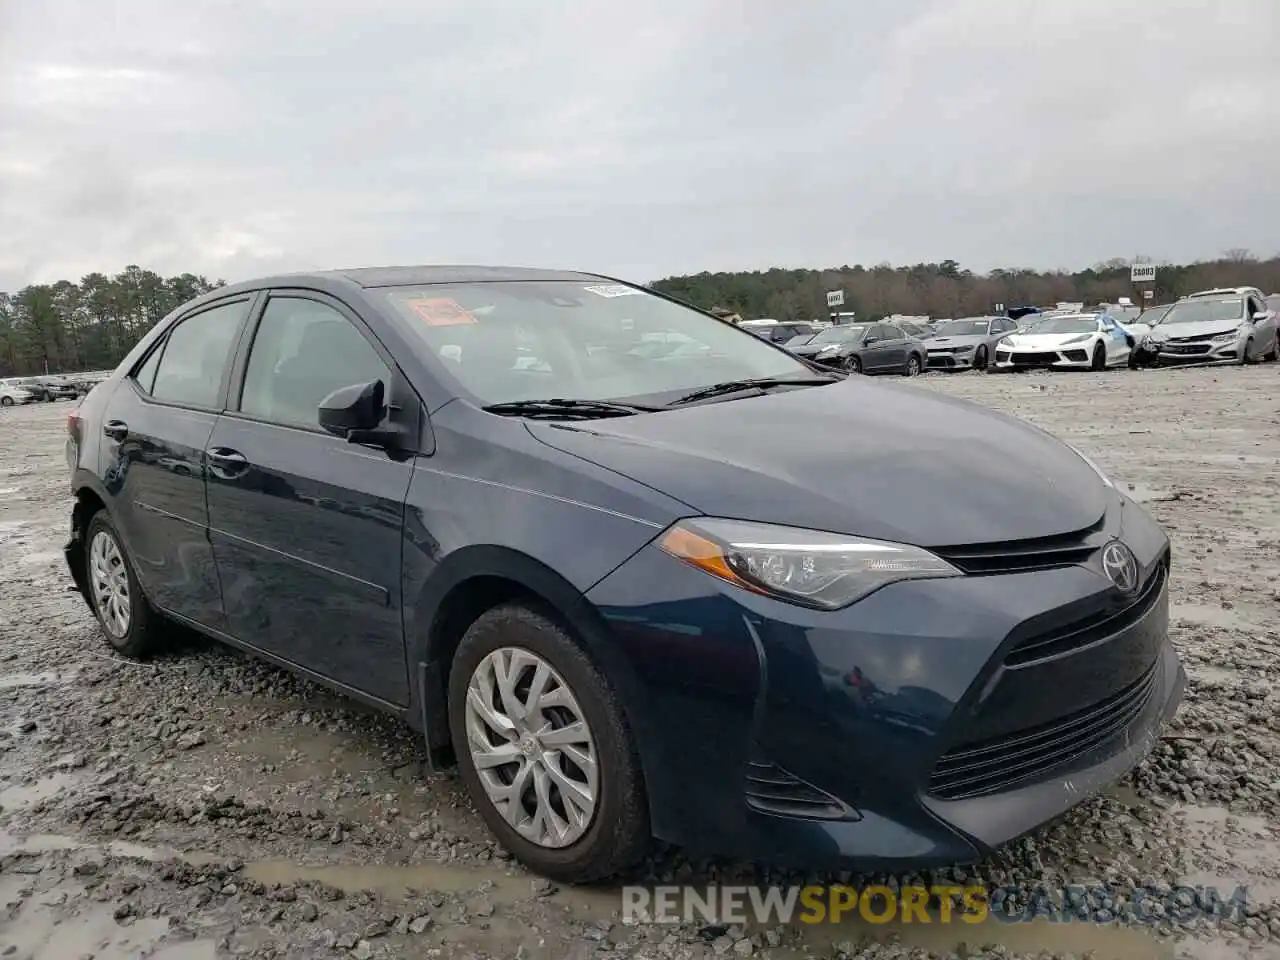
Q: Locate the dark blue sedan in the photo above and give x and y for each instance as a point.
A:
(707, 593)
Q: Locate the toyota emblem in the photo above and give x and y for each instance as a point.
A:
(1119, 563)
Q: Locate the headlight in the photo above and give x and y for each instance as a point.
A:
(1080, 339)
(825, 350)
(1226, 337)
(806, 567)
(966, 348)
(1093, 466)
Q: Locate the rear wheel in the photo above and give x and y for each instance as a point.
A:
(913, 366)
(1099, 361)
(544, 748)
(127, 620)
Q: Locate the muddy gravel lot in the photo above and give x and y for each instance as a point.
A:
(205, 805)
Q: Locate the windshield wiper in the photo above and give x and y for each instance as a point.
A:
(562, 407)
(733, 386)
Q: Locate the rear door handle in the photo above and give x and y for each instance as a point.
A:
(224, 457)
(116, 429)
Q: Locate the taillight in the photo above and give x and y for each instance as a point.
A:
(73, 425)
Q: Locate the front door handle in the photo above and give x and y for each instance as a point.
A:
(224, 457)
(116, 429)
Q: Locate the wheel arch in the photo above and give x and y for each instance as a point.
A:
(475, 579)
(90, 498)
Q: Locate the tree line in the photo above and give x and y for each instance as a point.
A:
(948, 290)
(67, 326)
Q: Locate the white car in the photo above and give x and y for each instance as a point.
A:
(1082, 341)
(12, 391)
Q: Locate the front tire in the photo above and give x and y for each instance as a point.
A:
(853, 365)
(1246, 354)
(127, 620)
(544, 748)
(6, 401)
(980, 359)
(1099, 360)
(913, 366)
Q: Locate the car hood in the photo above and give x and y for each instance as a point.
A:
(1041, 341)
(968, 340)
(1205, 328)
(887, 461)
(811, 349)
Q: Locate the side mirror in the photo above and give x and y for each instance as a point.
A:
(869, 339)
(354, 408)
(1260, 316)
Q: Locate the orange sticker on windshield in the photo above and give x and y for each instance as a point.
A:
(439, 312)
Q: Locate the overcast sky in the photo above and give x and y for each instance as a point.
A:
(639, 139)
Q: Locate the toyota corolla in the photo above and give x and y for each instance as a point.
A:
(709, 596)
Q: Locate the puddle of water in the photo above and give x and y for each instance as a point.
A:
(27, 795)
(44, 556)
(1207, 614)
(1101, 942)
(1141, 493)
(10, 680)
(41, 932)
(1206, 672)
(393, 880)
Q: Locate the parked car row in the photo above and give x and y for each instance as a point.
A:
(1234, 325)
(19, 390)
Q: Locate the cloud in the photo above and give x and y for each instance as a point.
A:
(238, 138)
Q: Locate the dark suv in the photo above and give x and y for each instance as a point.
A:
(707, 594)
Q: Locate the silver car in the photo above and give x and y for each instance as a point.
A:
(1231, 327)
(968, 344)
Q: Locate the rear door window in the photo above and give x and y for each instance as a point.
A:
(195, 355)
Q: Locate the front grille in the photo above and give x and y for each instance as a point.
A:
(1187, 348)
(937, 361)
(1034, 359)
(1020, 556)
(991, 766)
(770, 789)
(1089, 630)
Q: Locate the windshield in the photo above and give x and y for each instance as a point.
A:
(962, 328)
(533, 340)
(839, 334)
(799, 339)
(1204, 311)
(1067, 324)
(1152, 317)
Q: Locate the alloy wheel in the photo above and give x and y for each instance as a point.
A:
(532, 747)
(913, 366)
(109, 579)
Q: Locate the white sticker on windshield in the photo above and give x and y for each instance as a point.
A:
(612, 290)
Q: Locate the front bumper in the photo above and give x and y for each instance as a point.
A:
(1066, 358)
(1174, 353)
(925, 724)
(951, 360)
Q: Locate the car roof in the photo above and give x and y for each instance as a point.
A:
(1223, 292)
(407, 276)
